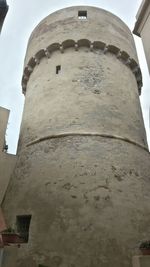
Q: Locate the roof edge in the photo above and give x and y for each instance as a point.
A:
(140, 15)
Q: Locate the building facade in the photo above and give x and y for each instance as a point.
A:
(142, 28)
(7, 161)
(3, 12)
(79, 193)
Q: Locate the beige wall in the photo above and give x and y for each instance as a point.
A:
(141, 261)
(145, 35)
(4, 114)
(142, 28)
(7, 161)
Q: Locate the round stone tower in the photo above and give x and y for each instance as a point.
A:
(79, 193)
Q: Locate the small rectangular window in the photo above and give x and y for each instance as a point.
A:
(82, 14)
(58, 69)
(23, 224)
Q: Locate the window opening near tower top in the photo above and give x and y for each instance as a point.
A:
(82, 14)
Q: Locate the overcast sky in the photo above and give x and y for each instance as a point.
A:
(22, 17)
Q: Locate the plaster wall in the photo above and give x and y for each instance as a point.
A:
(141, 261)
(7, 161)
(145, 35)
(142, 28)
(4, 114)
(82, 170)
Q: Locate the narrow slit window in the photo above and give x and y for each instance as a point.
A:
(23, 224)
(58, 69)
(82, 14)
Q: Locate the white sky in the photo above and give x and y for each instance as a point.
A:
(21, 19)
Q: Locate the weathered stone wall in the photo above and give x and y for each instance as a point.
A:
(77, 99)
(64, 24)
(83, 163)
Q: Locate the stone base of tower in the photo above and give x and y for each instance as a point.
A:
(89, 204)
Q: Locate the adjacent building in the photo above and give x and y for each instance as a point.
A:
(3, 12)
(142, 27)
(7, 161)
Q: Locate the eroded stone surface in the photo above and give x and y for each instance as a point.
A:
(88, 195)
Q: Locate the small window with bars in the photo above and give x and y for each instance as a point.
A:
(23, 224)
(82, 14)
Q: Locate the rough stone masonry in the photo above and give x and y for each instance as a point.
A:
(81, 183)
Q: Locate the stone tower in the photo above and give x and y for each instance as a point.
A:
(79, 194)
